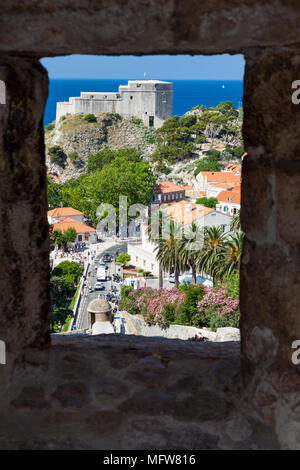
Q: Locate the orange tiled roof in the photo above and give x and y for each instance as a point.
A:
(227, 186)
(220, 177)
(167, 187)
(67, 223)
(237, 187)
(63, 212)
(230, 197)
(185, 212)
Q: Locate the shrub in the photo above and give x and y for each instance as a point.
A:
(73, 156)
(90, 118)
(137, 121)
(49, 127)
(217, 309)
(207, 202)
(123, 258)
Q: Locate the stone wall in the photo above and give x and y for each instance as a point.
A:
(137, 326)
(127, 392)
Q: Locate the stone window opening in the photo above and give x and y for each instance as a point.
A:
(269, 380)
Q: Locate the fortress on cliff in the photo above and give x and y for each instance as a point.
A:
(149, 100)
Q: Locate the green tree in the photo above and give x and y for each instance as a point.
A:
(123, 258)
(235, 223)
(90, 118)
(228, 261)
(54, 194)
(207, 202)
(168, 251)
(189, 247)
(57, 237)
(213, 245)
(57, 155)
(69, 236)
(98, 160)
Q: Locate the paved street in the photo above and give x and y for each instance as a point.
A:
(112, 248)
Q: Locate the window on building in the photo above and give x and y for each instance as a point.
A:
(136, 258)
(131, 97)
(151, 121)
(144, 262)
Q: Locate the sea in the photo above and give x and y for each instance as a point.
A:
(186, 93)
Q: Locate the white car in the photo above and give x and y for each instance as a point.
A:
(172, 277)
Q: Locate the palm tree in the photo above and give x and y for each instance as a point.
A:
(212, 247)
(151, 232)
(168, 253)
(190, 246)
(235, 224)
(228, 260)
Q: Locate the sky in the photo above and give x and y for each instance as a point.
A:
(180, 67)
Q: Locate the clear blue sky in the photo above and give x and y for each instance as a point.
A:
(217, 67)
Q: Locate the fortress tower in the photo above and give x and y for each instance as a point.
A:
(149, 100)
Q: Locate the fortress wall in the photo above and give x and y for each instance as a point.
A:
(139, 101)
(62, 108)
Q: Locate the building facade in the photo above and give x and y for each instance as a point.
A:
(149, 100)
(167, 192)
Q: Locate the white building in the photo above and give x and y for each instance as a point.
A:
(149, 100)
(229, 202)
(143, 254)
(61, 213)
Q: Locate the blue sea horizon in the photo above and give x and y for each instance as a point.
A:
(186, 93)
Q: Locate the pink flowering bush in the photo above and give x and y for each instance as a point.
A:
(189, 305)
(217, 309)
(151, 303)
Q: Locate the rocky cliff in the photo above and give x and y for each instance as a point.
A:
(78, 138)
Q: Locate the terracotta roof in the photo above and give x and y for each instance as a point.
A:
(167, 187)
(186, 212)
(63, 212)
(67, 223)
(220, 177)
(227, 186)
(229, 196)
(237, 187)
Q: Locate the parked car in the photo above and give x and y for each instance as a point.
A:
(107, 258)
(99, 286)
(172, 277)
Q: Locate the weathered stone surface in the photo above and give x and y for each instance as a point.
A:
(110, 387)
(238, 428)
(202, 406)
(31, 397)
(154, 434)
(154, 27)
(24, 243)
(72, 395)
(104, 422)
(227, 334)
(269, 35)
(149, 402)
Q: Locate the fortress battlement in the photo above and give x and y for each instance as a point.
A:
(149, 100)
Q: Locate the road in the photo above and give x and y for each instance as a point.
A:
(111, 248)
